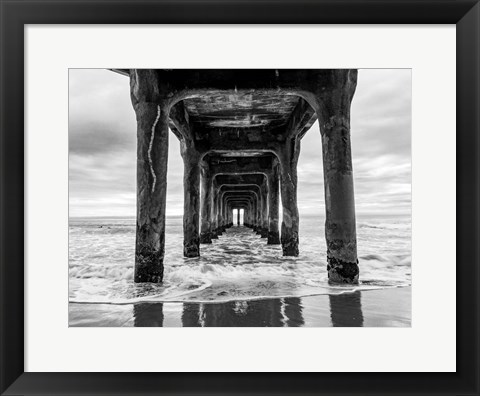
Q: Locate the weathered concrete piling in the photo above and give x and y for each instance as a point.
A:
(206, 203)
(333, 106)
(240, 134)
(191, 199)
(273, 196)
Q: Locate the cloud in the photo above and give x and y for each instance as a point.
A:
(102, 148)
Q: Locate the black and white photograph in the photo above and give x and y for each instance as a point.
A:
(239, 197)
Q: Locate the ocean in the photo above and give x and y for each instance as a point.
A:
(236, 274)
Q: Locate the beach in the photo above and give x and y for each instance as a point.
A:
(239, 280)
(373, 308)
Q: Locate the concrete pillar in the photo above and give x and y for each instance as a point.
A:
(273, 196)
(250, 213)
(191, 199)
(214, 220)
(219, 216)
(264, 193)
(227, 210)
(206, 204)
(238, 217)
(258, 210)
(288, 156)
(224, 217)
(152, 157)
(258, 229)
(259, 218)
(333, 110)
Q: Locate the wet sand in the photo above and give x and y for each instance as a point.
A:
(373, 308)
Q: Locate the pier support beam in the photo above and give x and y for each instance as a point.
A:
(264, 193)
(273, 196)
(258, 214)
(191, 203)
(224, 216)
(214, 219)
(333, 110)
(288, 157)
(152, 157)
(247, 221)
(245, 215)
(219, 216)
(229, 215)
(206, 204)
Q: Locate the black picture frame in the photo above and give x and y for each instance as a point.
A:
(16, 14)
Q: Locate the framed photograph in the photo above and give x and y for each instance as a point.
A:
(240, 197)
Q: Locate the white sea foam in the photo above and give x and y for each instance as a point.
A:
(237, 266)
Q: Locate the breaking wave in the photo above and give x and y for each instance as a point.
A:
(237, 266)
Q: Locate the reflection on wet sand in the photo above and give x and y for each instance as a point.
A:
(293, 312)
(148, 315)
(345, 311)
(234, 314)
(376, 308)
(191, 315)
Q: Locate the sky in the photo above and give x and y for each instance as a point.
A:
(102, 148)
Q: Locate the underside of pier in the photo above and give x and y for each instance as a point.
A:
(240, 133)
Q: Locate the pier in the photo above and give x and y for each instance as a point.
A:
(240, 134)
